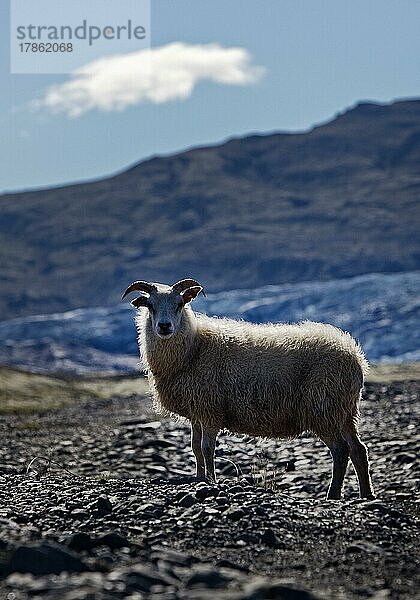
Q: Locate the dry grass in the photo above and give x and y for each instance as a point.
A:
(119, 385)
(23, 392)
(387, 373)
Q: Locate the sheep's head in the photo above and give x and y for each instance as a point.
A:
(165, 303)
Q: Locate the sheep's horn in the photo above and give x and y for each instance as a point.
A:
(141, 286)
(184, 284)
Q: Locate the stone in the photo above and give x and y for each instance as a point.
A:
(44, 559)
(235, 513)
(79, 514)
(225, 563)
(187, 500)
(269, 539)
(291, 465)
(79, 541)
(206, 576)
(206, 491)
(236, 489)
(173, 556)
(143, 577)
(276, 589)
(378, 506)
(156, 443)
(362, 546)
(113, 540)
(103, 505)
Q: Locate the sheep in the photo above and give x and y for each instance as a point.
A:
(269, 380)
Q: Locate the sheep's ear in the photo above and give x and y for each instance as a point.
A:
(140, 301)
(191, 293)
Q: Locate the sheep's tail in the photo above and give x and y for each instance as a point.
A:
(357, 397)
(356, 351)
(362, 360)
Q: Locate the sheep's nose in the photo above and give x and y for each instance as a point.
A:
(165, 327)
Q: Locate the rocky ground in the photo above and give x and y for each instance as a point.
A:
(95, 504)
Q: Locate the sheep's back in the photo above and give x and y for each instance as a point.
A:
(277, 380)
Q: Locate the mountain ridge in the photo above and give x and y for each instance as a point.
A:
(336, 201)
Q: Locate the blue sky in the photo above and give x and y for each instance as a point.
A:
(318, 56)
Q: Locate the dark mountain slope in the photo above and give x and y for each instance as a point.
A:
(337, 201)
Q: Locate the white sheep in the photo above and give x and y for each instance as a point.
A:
(272, 380)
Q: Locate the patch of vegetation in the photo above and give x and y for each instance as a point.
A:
(120, 386)
(27, 393)
(264, 473)
(22, 392)
(29, 425)
(384, 373)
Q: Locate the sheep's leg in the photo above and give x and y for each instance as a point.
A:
(196, 436)
(208, 445)
(359, 458)
(339, 450)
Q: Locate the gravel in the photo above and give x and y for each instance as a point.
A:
(97, 501)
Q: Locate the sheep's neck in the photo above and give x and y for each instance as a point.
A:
(166, 357)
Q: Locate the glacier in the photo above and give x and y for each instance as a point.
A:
(382, 311)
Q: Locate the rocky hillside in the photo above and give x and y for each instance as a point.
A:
(337, 201)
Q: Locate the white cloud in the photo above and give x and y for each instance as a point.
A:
(155, 75)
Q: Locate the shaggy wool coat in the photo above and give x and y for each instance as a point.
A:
(268, 380)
